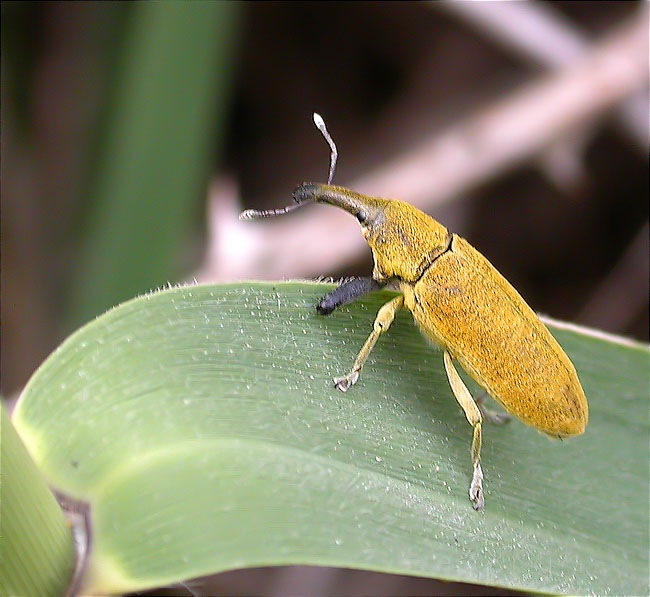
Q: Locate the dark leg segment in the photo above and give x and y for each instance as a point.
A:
(489, 415)
(347, 292)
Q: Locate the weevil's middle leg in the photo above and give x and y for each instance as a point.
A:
(384, 318)
(473, 414)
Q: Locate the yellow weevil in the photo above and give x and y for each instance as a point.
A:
(462, 304)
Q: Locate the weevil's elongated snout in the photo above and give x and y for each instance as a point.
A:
(364, 208)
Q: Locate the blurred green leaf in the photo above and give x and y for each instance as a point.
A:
(37, 555)
(202, 426)
(166, 117)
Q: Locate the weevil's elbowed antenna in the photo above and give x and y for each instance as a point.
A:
(254, 214)
(320, 125)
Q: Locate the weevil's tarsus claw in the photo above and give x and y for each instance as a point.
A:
(476, 488)
(347, 381)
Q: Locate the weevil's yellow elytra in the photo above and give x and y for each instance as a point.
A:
(461, 303)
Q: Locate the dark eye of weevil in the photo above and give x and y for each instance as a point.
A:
(361, 216)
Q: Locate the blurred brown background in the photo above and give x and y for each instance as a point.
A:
(130, 143)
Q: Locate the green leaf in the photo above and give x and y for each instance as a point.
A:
(202, 426)
(166, 116)
(37, 555)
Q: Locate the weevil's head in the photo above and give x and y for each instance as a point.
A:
(404, 240)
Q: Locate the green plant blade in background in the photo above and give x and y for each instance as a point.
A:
(37, 555)
(202, 426)
(166, 115)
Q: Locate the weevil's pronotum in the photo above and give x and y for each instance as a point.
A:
(462, 304)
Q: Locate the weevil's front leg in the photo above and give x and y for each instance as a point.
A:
(473, 414)
(384, 318)
(346, 293)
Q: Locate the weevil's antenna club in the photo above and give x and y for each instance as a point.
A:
(320, 125)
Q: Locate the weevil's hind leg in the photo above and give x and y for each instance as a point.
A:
(384, 318)
(489, 415)
(473, 414)
(346, 293)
